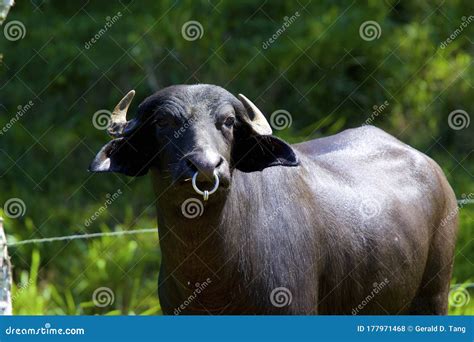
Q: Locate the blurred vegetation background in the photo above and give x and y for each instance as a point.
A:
(318, 68)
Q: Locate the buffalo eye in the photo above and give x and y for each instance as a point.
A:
(166, 121)
(161, 122)
(229, 121)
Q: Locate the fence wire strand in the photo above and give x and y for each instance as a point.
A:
(83, 236)
(461, 202)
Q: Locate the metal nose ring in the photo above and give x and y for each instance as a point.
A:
(205, 194)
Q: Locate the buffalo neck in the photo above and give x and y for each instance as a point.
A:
(192, 243)
(241, 237)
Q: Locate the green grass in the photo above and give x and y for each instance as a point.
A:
(128, 266)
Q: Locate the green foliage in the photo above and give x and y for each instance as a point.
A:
(319, 69)
(120, 265)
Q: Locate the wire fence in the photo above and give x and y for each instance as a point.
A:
(461, 202)
(83, 236)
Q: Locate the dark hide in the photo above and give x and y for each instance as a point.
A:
(353, 223)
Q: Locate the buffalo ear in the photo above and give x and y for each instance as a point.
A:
(257, 152)
(121, 155)
(254, 147)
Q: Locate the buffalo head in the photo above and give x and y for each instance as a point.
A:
(185, 129)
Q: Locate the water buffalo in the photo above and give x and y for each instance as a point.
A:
(353, 223)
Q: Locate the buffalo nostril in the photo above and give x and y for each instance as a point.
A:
(221, 160)
(205, 163)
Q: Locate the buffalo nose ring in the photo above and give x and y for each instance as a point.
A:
(205, 194)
